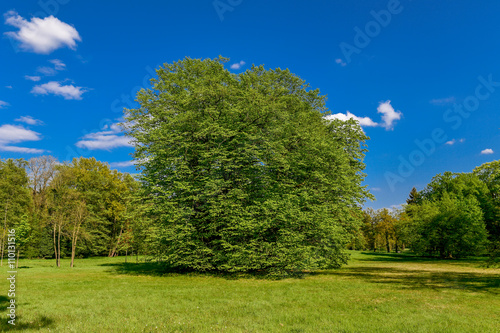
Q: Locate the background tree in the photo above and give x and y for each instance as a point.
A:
(414, 197)
(41, 171)
(243, 170)
(15, 199)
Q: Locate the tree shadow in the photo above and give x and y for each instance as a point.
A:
(424, 279)
(20, 324)
(148, 268)
(413, 258)
(164, 270)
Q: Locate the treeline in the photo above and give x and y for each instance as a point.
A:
(456, 215)
(76, 209)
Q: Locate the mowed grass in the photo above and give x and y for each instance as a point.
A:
(374, 293)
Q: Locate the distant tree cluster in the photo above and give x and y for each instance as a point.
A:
(456, 215)
(82, 208)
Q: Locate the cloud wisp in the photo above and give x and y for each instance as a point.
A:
(109, 138)
(12, 134)
(57, 66)
(443, 101)
(238, 65)
(29, 120)
(34, 78)
(56, 88)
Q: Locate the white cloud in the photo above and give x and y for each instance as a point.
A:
(121, 164)
(111, 137)
(47, 71)
(453, 141)
(25, 150)
(58, 65)
(33, 78)
(443, 101)
(340, 62)
(376, 189)
(41, 35)
(8, 87)
(53, 87)
(363, 121)
(10, 134)
(389, 115)
(29, 120)
(487, 151)
(3, 104)
(238, 65)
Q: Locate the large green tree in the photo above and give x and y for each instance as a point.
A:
(243, 170)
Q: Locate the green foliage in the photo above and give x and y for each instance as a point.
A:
(243, 171)
(414, 197)
(451, 226)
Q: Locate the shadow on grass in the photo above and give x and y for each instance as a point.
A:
(409, 257)
(161, 269)
(423, 279)
(20, 324)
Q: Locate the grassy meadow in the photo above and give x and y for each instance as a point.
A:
(375, 293)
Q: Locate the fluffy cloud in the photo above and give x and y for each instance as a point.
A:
(29, 120)
(238, 65)
(487, 151)
(41, 35)
(54, 87)
(109, 138)
(363, 121)
(32, 78)
(10, 134)
(3, 104)
(389, 115)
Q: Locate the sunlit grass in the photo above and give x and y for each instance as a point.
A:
(374, 293)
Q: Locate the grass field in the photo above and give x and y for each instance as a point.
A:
(374, 293)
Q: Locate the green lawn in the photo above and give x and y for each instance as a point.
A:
(374, 293)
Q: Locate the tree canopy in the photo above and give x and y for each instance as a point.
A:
(244, 171)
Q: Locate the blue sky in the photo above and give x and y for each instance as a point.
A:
(421, 76)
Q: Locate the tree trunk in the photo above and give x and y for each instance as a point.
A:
(388, 246)
(59, 247)
(55, 243)
(112, 254)
(4, 231)
(74, 239)
(73, 250)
